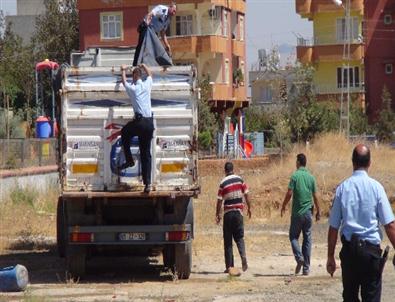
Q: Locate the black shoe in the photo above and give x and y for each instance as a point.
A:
(244, 264)
(299, 266)
(147, 189)
(126, 165)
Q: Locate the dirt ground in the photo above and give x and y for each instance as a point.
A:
(269, 277)
(271, 264)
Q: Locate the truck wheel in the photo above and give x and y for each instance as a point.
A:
(168, 256)
(75, 262)
(61, 228)
(183, 260)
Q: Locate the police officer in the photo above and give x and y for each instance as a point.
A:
(142, 125)
(359, 207)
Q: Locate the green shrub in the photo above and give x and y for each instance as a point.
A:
(25, 196)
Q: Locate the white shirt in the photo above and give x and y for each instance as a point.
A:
(140, 96)
(160, 18)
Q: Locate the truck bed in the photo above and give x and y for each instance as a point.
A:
(94, 109)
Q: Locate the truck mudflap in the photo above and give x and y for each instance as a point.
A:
(130, 235)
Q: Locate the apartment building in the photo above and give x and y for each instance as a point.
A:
(207, 33)
(327, 51)
(379, 33)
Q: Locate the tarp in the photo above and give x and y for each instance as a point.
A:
(152, 51)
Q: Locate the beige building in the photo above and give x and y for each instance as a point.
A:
(24, 22)
(271, 89)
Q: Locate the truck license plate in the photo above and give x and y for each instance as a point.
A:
(131, 236)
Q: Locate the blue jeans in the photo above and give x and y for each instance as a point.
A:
(301, 224)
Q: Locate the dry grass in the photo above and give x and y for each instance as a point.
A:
(27, 216)
(329, 160)
(28, 213)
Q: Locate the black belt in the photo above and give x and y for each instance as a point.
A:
(139, 116)
(360, 241)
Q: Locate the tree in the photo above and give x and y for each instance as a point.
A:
(208, 122)
(358, 120)
(386, 122)
(57, 30)
(10, 47)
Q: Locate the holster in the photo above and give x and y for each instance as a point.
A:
(364, 249)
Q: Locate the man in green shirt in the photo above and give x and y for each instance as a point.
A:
(302, 188)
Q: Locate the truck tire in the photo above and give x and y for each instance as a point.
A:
(183, 260)
(61, 228)
(75, 262)
(168, 256)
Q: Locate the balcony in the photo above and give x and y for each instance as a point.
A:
(238, 48)
(238, 5)
(198, 44)
(307, 8)
(220, 92)
(334, 89)
(327, 53)
(240, 93)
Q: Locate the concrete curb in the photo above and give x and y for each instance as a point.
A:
(28, 171)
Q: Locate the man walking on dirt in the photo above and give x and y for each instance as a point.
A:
(142, 125)
(302, 189)
(359, 207)
(231, 191)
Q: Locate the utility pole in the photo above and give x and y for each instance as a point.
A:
(346, 72)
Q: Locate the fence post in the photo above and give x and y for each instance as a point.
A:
(23, 154)
(39, 153)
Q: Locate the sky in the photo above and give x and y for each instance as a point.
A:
(269, 23)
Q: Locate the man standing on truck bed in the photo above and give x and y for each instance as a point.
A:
(231, 192)
(159, 20)
(142, 125)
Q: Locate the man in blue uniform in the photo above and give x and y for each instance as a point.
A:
(142, 125)
(359, 208)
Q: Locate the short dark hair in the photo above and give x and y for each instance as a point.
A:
(138, 71)
(361, 159)
(301, 159)
(228, 167)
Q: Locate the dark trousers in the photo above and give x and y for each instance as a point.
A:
(361, 269)
(143, 128)
(233, 228)
(142, 29)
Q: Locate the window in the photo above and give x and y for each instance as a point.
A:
(343, 76)
(389, 68)
(341, 29)
(227, 76)
(184, 25)
(225, 24)
(241, 28)
(111, 25)
(266, 94)
(387, 19)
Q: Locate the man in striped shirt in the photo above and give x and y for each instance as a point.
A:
(231, 192)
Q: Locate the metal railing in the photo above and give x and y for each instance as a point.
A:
(23, 153)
